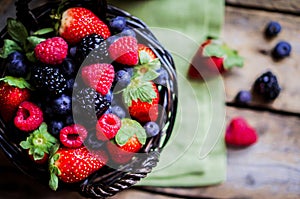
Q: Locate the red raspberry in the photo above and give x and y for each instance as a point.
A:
(29, 116)
(73, 136)
(108, 126)
(239, 133)
(52, 51)
(99, 76)
(125, 51)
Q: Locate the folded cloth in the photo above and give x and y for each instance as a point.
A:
(196, 153)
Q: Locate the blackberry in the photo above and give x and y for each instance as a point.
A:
(48, 79)
(90, 102)
(267, 86)
(94, 46)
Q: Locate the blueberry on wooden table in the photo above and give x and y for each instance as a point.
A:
(273, 28)
(281, 50)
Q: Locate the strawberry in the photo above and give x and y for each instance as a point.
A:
(107, 126)
(38, 144)
(13, 91)
(213, 58)
(145, 49)
(78, 22)
(72, 165)
(28, 117)
(125, 50)
(51, 51)
(240, 134)
(142, 99)
(128, 141)
(99, 76)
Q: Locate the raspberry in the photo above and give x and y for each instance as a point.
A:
(239, 133)
(29, 117)
(107, 126)
(73, 136)
(52, 51)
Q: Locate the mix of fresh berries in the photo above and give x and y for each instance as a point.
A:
(240, 134)
(267, 86)
(81, 97)
(273, 28)
(213, 58)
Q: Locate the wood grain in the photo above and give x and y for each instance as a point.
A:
(288, 6)
(243, 30)
(268, 169)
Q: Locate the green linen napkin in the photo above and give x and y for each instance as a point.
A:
(196, 153)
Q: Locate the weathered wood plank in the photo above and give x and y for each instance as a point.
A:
(268, 169)
(288, 6)
(243, 30)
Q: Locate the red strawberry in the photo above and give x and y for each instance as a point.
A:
(124, 51)
(212, 59)
(107, 127)
(78, 22)
(74, 165)
(145, 49)
(51, 51)
(29, 116)
(38, 144)
(99, 76)
(128, 141)
(142, 98)
(13, 91)
(73, 136)
(239, 133)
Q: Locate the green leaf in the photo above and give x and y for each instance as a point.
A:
(17, 30)
(25, 145)
(214, 50)
(144, 57)
(43, 31)
(150, 75)
(16, 82)
(9, 47)
(53, 182)
(32, 42)
(31, 56)
(233, 61)
(155, 64)
(128, 129)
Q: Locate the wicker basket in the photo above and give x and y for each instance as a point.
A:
(107, 181)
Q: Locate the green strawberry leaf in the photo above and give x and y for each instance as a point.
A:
(139, 90)
(214, 50)
(53, 182)
(17, 30)
(150, 75)
(128, 129)
(233, 61)
(43, 31)
(9, 47)
(144, 57)
(16, 82)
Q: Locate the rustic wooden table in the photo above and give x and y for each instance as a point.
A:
(270, 168)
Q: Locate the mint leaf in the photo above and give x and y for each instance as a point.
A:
(17, 30)
(32, 42)
(16, 82)
(213, 50)
(9, 47)
(31, 56)
(233, 61)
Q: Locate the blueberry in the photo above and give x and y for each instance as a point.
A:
(70, 84)
(128, 32)
(122, 79)
(272, 29)
(281, 50)
(163, 77)
(243, 97)
(69, 120)
(91, 142)
(16, 65)
(112, 39)
(118, 111)
(69, 69)
(118, 23)
(151, 128)
(62, 105)
(54, 127)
